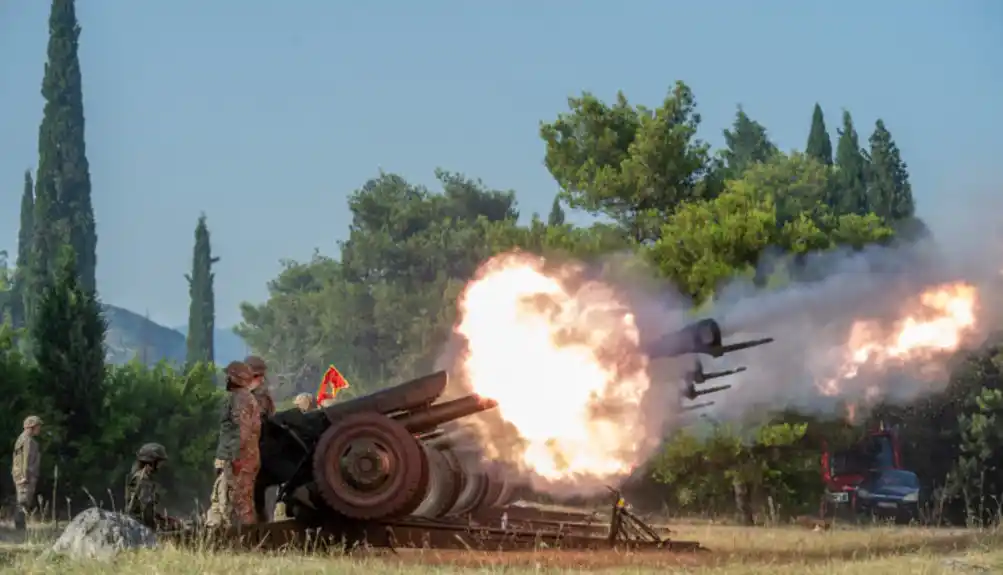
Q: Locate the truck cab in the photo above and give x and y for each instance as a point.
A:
(844, 470)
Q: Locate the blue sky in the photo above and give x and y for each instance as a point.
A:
(265, 115)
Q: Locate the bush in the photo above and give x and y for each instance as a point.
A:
(142, 404)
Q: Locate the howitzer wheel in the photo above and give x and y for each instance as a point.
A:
(368, 466)
(443, 486)
(496, 488)
(473, 489)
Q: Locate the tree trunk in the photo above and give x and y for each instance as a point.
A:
(743, 502)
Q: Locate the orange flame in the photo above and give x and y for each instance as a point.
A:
(556, 350)
(936, 324)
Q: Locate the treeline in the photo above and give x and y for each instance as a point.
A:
(381, 308)
(52, 337)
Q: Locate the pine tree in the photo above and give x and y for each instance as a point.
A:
(556, 217)
(889, 189)
(68, 333)
(63, 184)
(850, 189)
(201, 313)
(746, 143)
(819, 144)
(24, 237)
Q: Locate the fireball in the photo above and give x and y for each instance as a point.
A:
(560, 354)
(934, 324)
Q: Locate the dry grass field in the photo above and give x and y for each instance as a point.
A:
(734, 551)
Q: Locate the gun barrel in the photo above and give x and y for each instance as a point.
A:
(427, 419)
(703, 337)
(404, 397)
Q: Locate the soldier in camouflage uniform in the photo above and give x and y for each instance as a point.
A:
(259, 385)
(25, 469)
(237, 453)
(142, 493)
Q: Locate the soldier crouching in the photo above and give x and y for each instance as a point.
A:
(142, 493)
(237, 453)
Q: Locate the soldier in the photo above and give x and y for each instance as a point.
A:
(238, 451)
(142, 493)
(26, 467)
(304, 402)
(259, 373)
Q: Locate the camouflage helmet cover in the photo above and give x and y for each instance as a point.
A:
(256, 364)
(151, 453)
(32, 421)
(238, 373)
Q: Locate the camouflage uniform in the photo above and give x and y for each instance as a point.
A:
(142, 493)
(259, 373)
(237, 453)
(261, 391)
(26, 468)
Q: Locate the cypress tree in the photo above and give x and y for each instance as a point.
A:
(63, 185)
(24, 237)
(819, 144)
(201, 311)
(889, 190)
(850, 189)
(746, 143)
(556, 216)
(68, 331)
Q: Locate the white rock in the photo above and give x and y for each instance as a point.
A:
(99, 534)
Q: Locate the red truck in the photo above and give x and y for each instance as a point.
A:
(844, 470)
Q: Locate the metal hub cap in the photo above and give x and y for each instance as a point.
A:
(365, 465)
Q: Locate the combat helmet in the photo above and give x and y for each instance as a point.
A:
(238, 374)
(32, 421)
(152, 453)
(256, 364)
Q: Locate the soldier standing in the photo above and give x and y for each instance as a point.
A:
(259, 373)
(237, 453)
(142, 493)
(26, 468)
(259, 387)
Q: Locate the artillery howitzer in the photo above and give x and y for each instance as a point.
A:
(378, 469)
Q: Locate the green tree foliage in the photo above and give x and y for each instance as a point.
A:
(732, 467)
(775, 204)
(63, 211)
(745, 144)
(24, 236)
(850, 186)
(631, 163)
(7, 294)
(819, 144)
(890, 192)
(68, 335)
(556, 216)
(202, 310)
(179, 409)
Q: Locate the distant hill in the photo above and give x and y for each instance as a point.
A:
(131, 335)
(229, 346)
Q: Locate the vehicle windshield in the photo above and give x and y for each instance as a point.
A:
(876, 452)
(894, 479)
